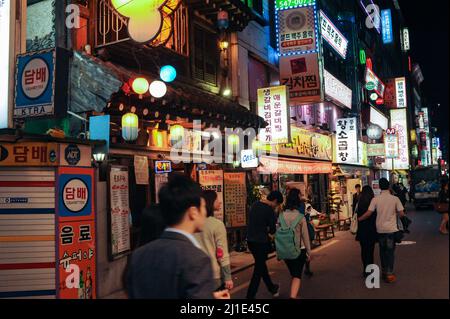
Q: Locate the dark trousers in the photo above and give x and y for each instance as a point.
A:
(387, 252)
(367, 252)
(260, 253)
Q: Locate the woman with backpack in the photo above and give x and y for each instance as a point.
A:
(292, 240)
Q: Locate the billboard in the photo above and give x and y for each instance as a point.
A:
(399, 123)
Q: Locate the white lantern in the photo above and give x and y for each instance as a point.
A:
(374, 132)
(158, 89)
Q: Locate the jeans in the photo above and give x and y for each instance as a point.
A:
(367, 251)
(387, 250)
(260, 253)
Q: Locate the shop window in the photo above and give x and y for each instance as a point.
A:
(205, 56)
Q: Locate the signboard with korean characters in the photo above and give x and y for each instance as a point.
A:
(41, 84)
(301, 74)
(282, 4)
(141, 170)
(347, 141)
(273, 108)
(333, 36)
(371, 78)
(336, 91)
(235, 203)
(29, 154)
(76, 233)
(297, 30)
(386, 26)
(399, 123)
(376, 150)
(213, 180)
(391, 143)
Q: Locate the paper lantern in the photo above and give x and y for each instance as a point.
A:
(140, 86)
(176, 134)
(158, 89)
(130, 125)
(168, 73)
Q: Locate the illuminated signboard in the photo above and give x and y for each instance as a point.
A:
(162, 167)
(386, 26)
(400, 88)
(399, 123)
(391, 143)
(378, 118)
(406, 46)
(285, 4)
(337, 91)
(379, 86)
(5, 48)
(347, 141)
(297, 30)
(333, 36)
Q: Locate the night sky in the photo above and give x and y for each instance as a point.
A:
(429, 32)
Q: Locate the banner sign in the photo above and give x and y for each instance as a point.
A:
(347, 141)
(399, 123)
(376, 150)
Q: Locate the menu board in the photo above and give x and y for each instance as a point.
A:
(160, 180)
(120, 210)
(235, 199)
(213, 180)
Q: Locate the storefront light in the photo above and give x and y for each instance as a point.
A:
(99, 157)
(227, 92)
(130, 125)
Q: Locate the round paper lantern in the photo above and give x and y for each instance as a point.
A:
(168, 73)
(130, 125)
(176, 134)
(374, 132)
(158, 89)
(140, 86)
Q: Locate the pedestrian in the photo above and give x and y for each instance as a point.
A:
(293, 240)
(261, 225)
(310, 212)
(174, 266)
(356, 197)
(366, 234)
(152, 225)
(213, 240)
(443, 200)
(387, 207)
(401, 191)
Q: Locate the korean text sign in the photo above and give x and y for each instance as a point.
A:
(29, 154)
(399, 123)
(333, 36)
(391, 143)
(273, 108)
(301, 74)
(297, 30)
(76, 233)
(235, 202)
(347, 141)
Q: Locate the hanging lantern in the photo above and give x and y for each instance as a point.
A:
(176, 134)
(130, 125)
(374, 132)
(140, 86)
(158, 89)
(223, 20)
(168, 73)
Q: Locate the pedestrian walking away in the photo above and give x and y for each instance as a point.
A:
(213, 240)
(387, 207)
(261, 225)
(293, 243)
(366, 234)
(442, 207)
(174, 266)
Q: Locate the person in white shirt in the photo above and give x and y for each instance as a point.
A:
(387, 207)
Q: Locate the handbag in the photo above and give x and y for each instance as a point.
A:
(441, 207)
(354, 223)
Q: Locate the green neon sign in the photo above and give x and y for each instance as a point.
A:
(370, 86)
(362, 57)
(283, 4)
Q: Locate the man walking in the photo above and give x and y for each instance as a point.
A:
(387, 207)
(174, 266)
(262, 223)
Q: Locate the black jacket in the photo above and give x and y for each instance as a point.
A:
(170, 268)
(367, 229)
(261, 221)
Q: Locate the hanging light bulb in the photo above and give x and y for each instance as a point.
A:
(140, 86)
(158, 89)
(168, 73)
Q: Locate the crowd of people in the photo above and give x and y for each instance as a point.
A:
(184, 250)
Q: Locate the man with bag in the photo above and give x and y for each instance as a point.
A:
(387, 207)
(292, 241)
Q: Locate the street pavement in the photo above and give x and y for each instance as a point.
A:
(422, 267)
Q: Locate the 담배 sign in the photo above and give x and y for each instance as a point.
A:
(29, 154)
(273, 108)
(296, 29)
(213, 180)
(301, 74)
(347, 141)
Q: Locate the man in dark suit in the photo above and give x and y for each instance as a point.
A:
(174, 266)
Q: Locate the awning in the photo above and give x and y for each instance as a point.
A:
(271, 165)
(347, 170)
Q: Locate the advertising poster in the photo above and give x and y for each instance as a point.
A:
(141, 170)
(160, 180)
(213, 180)
(302, 77)
(235, 200)
(120, 210)
(273, 108)
(297, 30)
(76, 234)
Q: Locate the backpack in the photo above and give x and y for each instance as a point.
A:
(285, 239)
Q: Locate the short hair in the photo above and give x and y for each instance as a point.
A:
(357, 186)
(177, 196)
(293, 200)
(275, 195)
(384, 184)
(210, 197)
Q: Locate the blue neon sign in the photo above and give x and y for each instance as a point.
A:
(386, 26)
